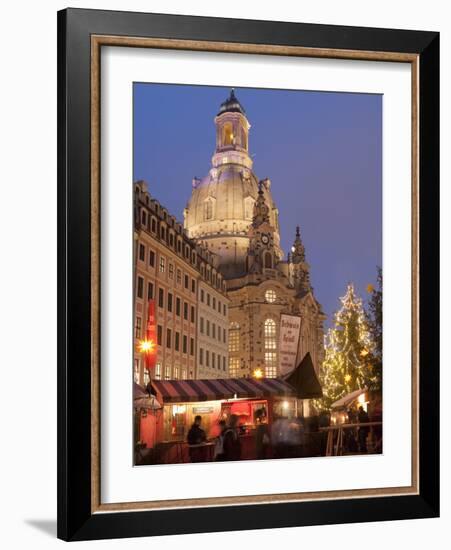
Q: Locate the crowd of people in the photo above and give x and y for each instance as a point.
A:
(283, 439)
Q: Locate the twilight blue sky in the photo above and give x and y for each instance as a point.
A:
(321, 150)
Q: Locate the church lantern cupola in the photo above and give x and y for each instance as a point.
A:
(232, 134)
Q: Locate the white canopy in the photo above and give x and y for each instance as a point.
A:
(346, 400)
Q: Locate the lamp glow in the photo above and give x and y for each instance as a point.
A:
(146, 346)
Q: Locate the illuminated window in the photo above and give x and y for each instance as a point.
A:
(158, 371)
(234, 367)
(227, 134)
(138, 327)
(234, 337)
(176, 372)
(270, 364)
(167, 372)
(171, 271)
(270, 296)
(136, 371)
(270, 334)
(162, 264)
(270, 348)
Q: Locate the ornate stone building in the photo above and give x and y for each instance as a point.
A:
(233, 214)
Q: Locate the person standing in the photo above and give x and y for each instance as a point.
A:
(261, 435)
(232, 443)
(219, 444)
(196, 436)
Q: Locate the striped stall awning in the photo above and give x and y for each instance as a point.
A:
(181, 391)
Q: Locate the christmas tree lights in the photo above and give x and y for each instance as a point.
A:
(348, 349)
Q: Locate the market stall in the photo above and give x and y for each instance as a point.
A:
(255, 401)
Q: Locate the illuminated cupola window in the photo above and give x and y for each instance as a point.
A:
(227, 131)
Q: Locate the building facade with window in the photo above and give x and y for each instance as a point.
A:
(234, 214)
(169, 269)
(212, 331)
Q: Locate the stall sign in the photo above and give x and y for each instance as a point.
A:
(202, 410)
(290, 328)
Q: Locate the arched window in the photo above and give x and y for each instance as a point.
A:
(227, 134)
(270, 338)
(234, 337)
(270, 296)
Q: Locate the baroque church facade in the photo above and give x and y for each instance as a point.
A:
(232, 213)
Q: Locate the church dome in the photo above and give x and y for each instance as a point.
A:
(220, 209)
(222, 202)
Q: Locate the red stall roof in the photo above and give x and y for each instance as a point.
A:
(179, 391)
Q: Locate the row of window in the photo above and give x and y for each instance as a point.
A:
(174, 339)
(213, 330)
(189, 312)
(190, 256)
(174, 373)
(212, 302)
(170, 267)
(165, 234)
(211, 359)
(270, 348)
(236, 366)
(136, 371)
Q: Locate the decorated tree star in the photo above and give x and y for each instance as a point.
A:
(347, 347)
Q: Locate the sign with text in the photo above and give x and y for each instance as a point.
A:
(290, 329)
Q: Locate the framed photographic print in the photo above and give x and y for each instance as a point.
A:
(248, 274)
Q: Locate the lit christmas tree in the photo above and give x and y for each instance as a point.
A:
(347, 345)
